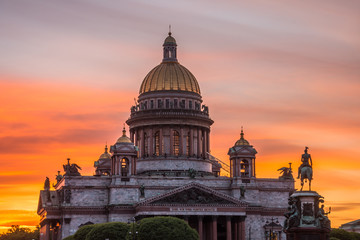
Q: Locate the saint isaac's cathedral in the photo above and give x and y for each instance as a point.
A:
(162, 167)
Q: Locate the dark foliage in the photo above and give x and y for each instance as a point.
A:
(82, 232)
(164, 228)
(112, 230)
(344, 235)
(71, 237)
(17, 233)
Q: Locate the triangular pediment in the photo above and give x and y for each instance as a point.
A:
(193, 194)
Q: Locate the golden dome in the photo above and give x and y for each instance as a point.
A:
(123, 138)
(105, 155)
(242, 141)
(169, 76)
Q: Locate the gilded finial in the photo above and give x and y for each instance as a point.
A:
(169, 29)
(242, 133)
(106, 148)
(124, 131)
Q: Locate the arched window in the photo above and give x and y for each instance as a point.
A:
(146, 145)
(176, 143)
(244, 168)
(157, 143)
(188, 144)
(124, 167)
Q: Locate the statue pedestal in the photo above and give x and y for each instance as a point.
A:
(305, 219)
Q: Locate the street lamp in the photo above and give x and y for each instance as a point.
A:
(274, 221)
(133, 233)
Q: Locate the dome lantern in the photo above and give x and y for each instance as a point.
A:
(169, 49)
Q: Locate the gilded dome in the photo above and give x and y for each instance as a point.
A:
(123, 138)
(242, 141)
(105, 155)
(169, 75)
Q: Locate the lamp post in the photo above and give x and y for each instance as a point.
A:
(272, 235)
(133, 233)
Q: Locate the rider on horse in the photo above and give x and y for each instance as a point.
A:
(305, 161)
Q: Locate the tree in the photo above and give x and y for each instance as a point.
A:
(341, 234)
(71, 237)
(18, 233)
(164, 228)
(112, 230)
(83, 231)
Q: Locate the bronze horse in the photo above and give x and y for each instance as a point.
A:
(306, 174)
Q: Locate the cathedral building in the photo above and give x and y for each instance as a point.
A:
(162, 167)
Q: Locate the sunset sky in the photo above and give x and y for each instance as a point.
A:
(288, 71)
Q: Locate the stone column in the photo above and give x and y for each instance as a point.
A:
(47, 233)
(136, 139)
(161, 150)
(181, 142)
(208, 141)
(204, 142)
(142, 143)
(200, 227)
(151, 146)
(198, 142)
(228, 228)
(132, 135)
(239, 230)
(191, 142)
(214, 228)
(171, 141)
(235, 229)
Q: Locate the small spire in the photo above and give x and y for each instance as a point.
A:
(106, 148)
(242, 133)
(124, 131)
(169, 29)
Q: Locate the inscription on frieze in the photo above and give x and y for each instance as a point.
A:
(187, 209)
(193, 196)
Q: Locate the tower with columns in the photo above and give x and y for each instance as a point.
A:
(163, 168)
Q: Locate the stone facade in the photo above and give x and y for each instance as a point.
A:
(164, 169)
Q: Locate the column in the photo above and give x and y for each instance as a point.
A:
(136, 138)
(142, 143)
(171, 141)
(151, 146)
(181, 142)
(200, 227)
(207, 141)
(239, 229)
(161, 150)
(186, 218)
(235, 229)
(198, 142)
(243, 229)
(214, 228)
(47, 233)
(228, 228)
(132, 135)
(203, 134)
(191, 142)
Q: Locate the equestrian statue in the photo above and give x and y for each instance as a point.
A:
(305, 171)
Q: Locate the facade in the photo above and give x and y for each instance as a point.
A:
(164, 169)
(353, 226)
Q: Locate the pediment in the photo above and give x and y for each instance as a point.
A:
(193, 194)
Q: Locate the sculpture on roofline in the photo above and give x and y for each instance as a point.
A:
(286, 172)
(71, 170)
(305, 171)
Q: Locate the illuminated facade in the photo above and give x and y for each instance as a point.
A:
(164, 169)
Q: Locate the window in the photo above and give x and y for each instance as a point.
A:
(175, 103)
(124, 167)
(167, 102)
(244, 168)
(176, 143)
(190, 104)
(151, 104)
(157, 143)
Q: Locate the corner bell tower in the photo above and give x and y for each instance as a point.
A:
(242, 159)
